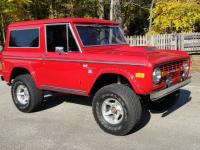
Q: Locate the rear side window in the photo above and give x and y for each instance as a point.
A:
(24, 38)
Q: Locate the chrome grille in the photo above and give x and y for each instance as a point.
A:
(172, 69)
(171, 66)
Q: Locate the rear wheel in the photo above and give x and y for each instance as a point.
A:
(26, 96)
(116, 109)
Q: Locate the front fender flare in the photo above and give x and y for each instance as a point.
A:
(126, 74)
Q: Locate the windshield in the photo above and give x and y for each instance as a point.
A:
(100, 35)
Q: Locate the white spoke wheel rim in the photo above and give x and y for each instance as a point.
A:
(112, 111)
(22, 94)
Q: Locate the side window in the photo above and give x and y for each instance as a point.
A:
(60, 36)
(72, 46)
(56, 36)
(24, 38)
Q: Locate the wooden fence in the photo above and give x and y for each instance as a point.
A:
(189, 42)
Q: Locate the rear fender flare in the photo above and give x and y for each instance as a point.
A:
(29, 69)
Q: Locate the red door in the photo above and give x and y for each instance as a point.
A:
(61, 71)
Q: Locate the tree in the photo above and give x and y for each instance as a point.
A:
(100, 9)
(131, 14)
(70, 8)
(175, 16)
(10, 11)
(115, 11)
(150, 14)
(135, 15)
(45, 9)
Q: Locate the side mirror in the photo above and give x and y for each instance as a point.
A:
(1, 48)
(59, 50)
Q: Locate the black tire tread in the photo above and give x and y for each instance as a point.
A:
(132, 102)
(36, 94)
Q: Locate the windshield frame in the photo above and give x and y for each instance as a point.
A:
(100, 25)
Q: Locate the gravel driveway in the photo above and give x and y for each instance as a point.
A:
(66, 122)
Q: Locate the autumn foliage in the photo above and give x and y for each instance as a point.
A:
(175, 16)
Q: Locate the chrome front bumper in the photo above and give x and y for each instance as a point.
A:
(162, 93)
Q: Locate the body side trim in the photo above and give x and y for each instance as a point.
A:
(63, 90)
(21, 58)
(77, 61)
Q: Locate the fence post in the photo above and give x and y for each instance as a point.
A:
(182, 41)
(152, 40)
(176, 41)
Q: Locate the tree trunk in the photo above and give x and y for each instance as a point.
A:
(151, 15)
(51, 13)
(115, 11)
(3, 29)
(111, 9)
(100, 9)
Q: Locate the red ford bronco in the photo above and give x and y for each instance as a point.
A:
(89, 57)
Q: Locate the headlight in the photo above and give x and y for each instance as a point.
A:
(185, 66)
(185, 70)
(156, 75)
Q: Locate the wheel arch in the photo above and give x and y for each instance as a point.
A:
(19, 70)
(110, 76)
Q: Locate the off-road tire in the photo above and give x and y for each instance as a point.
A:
(36, 95)
(130, 103)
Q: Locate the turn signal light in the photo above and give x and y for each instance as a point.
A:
(139, 75)
(164, 73)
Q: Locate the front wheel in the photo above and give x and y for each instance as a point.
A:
(116, 109)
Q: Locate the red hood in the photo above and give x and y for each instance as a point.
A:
(151, 54)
